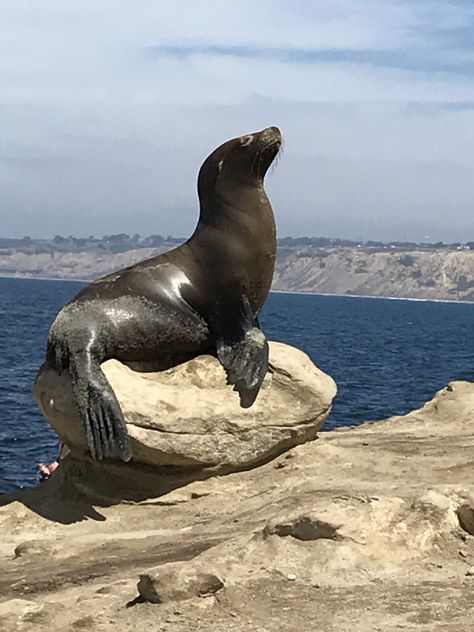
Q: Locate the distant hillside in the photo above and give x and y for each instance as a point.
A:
(430, 274)
(436, 271)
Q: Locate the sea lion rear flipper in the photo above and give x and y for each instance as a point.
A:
(100, 411)
(242, 350)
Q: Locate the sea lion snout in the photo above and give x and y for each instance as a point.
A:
(268, 136)
(269, 145)
(271, 135)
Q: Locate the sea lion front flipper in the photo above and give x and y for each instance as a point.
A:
(100, 411)
(242, 349)
(246, 364)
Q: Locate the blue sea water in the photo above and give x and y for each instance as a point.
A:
(387, 357)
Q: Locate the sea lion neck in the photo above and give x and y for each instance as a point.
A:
(233, 202)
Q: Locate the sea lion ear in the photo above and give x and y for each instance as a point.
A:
(246, 140)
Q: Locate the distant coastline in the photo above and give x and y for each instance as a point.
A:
(376, 298)
(24, 277)
(397, 270)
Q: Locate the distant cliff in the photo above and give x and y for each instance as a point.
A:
(70, 265)
(430, 274)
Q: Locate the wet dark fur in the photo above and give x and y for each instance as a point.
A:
(203, 296)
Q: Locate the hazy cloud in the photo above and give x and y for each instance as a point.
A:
(108, 109)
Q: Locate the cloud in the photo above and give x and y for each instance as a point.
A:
(107, 110)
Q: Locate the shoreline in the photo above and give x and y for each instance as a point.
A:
(297, 293)
(386, 298)
(42, 278)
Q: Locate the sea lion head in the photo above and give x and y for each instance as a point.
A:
(238, 163)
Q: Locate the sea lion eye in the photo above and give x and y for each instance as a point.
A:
(246, 140)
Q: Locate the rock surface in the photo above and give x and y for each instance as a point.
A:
(189, 417)
(366, 529)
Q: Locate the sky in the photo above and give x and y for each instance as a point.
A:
(108, 109)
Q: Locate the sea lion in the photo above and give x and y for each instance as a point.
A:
(201, 297)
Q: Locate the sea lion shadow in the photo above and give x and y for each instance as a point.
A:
(43, 500)
(80, 487)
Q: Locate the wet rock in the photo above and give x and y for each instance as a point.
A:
(465, 515)
(303, 527)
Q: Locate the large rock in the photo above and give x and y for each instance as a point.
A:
(189, 417)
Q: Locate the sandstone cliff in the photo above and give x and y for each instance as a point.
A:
(440, 274)
(70, 265)
(431, 274)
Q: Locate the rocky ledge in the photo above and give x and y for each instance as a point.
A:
(367, 528)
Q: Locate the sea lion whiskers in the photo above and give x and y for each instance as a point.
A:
(271, 137)
(277, 158)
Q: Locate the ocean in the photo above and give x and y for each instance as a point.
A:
(387, 357)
